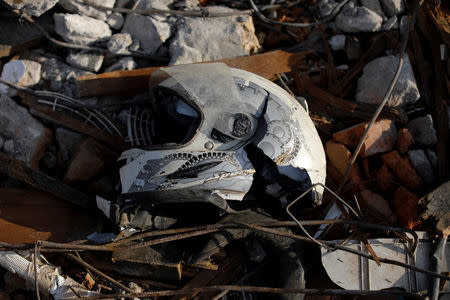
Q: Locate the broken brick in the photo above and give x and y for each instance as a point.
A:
(385, 179)
(377, 206)
(380, 138)
(405, 205)
(403, 169)
(404, 140)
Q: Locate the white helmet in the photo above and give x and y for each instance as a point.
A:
(207, 113)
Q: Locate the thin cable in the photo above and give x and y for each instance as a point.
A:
(327, 19)
(385, 99)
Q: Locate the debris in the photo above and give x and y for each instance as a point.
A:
(339, 157)
(422, 165)
(402, 168)
(352, 48)
(377, 207)
(21, 72)
(326, 7)
(199, 40)
(89, 159)
(81, 30)
(438, 207)
(75, 7)
(404, 140)
(86, 61)
(2, 142)
(373, 5)
(101, 238)
(380, 138)
(32, 7)
(393, 7)
(378, 74)
(118, 43)
(423, 131)
(405, 205)
(385, 179)
(358, 19)
(67, 140)
(28, 139)
(337, 42)
(390, 23)
(115, 21)
(403, 25)
(126, 63)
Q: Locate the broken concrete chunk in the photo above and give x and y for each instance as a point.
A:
(126, 63)
(115, 20)
(404, 140)
(391, 23)
(118, 44)
(377, 206)
(393, 7)
(373, 5)
(405, 205)
(214, 38)
(377, 77)
(79, 29)
(76, 7)
(326, 7)
(150, 33)
(423, 131)
(86, 61)
(28, 138)
(438, 207)
(380, 138)
(67, 140)
(422, 165)
(32, 7)
(358, 19)
(403, 169)
(20, 72)
(337, 42)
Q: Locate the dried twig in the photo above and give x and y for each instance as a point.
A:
(36, 281)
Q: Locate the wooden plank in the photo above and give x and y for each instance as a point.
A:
(18, 170)
(137, 81)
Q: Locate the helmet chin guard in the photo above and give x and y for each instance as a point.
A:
(215, 111)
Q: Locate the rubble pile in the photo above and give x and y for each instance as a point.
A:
(312, 139)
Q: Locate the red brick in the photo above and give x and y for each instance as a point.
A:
(377, 206)
(380, 138)
(404, 140)
(386, 180)
(403, 169)
(405, 205)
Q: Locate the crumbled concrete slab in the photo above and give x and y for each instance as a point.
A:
(115, 20)
(21, 72)
(76, 7)
(86, 61)
(27, 139)
(377, 77)
(32, 7)
(374, 5)
(126, 63)
(423, 131)
(390, 23)
(119, 43)
(79, 29)
(337, 42)
(393, 7)
(215, 38)
(422, 165)
(438, 207)
(358, 19)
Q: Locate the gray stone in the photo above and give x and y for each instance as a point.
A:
(358, 19)
(422, 165)
(149, 31)
(438, 206)
(28, 138)
(187, 4)
(32, 7)
(393, 7)
(326, 7)
(79, 29)
(76, 7)
(423, 131)
(403, 26)
(86, 61)
(215, 38)
(67, 140)
(337, 42)
(432, 156)
(126, 63)
(49, 160)
(377, 77)
(119, 43)
(391, 23)
(2, 142)
(21, 72)
(115, 20)
(373, 5)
